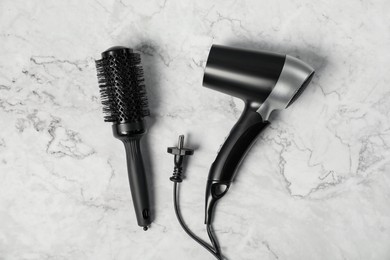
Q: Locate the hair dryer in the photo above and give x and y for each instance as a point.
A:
(265, 82)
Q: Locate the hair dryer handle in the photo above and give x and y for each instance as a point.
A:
(231, 154)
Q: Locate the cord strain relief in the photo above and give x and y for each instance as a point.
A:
(177, 174)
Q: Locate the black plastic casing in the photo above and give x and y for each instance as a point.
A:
(130, 134)
(250, 76)
(245, 74)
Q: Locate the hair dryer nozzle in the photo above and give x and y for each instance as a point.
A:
(293, 79)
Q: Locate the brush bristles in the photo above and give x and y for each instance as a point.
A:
(122, 89)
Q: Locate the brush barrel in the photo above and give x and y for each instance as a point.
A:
(130, 135)
(224, 168)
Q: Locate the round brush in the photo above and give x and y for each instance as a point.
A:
(123, 96)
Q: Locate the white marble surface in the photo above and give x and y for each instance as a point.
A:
(315, 185)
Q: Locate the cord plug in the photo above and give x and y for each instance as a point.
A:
(179, 152)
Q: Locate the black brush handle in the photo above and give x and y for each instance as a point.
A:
(137, 179)
(224, 168)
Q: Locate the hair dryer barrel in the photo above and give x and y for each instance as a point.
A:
(246, 74)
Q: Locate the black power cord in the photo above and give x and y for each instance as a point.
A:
(176, 178)
(213, 239)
